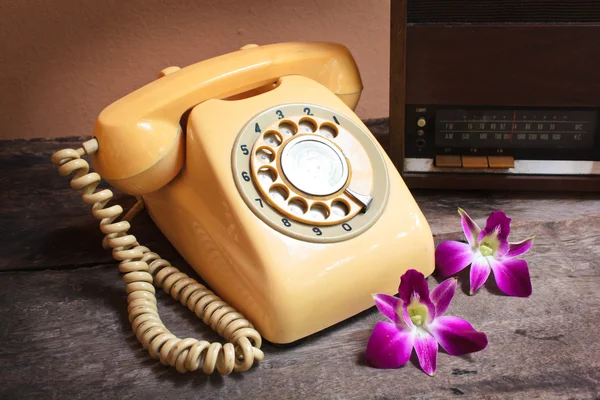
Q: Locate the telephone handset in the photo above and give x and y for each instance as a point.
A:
(256, 169)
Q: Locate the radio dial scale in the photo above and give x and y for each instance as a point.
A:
(497, 140)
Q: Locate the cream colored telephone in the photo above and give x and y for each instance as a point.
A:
(256, 169)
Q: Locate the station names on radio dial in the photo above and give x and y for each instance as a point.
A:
(514, 129)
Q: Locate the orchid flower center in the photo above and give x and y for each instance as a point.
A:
(489, 244)
(417, 312)
(485, 250)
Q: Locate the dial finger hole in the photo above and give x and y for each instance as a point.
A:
(264, 156)
(339, 208)
(307, 126)
(329, 131)
(319, 212)
(287, 129)
(266, 175)
(273, 138)
(297, 206)
(279, 193)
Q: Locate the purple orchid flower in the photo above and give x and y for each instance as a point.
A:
(417, 320)
(487, 250)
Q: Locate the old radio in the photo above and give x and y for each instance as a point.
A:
(499, 94)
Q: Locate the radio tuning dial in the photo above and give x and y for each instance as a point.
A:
(421, 122)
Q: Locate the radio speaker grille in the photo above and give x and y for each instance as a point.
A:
(502, 11)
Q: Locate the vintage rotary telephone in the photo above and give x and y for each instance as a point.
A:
(256, 169)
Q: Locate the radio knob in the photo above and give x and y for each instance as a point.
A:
(421, 122)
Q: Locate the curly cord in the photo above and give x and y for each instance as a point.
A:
(142, 268)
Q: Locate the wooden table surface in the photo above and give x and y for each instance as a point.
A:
(64, 330)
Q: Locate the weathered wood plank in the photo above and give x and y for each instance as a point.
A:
(60, 231)
(43, 222)
(65, 335)
(65, 332)
(440, 207)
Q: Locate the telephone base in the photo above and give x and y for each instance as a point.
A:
(285, 277)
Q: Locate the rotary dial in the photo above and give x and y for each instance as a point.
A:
(302, 172)
(310, 172)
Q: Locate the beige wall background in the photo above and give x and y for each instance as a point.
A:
(63, 61)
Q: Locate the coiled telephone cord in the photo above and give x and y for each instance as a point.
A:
(142, 268)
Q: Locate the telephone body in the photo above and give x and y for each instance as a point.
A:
(257, 170)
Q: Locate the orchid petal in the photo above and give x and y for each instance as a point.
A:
(388, 306)
(457, 336)
(480, 271)
(452, 257)
(406, 317)
(442, 295)
(497, 223)
(512, 277)
(426, 348)
(497, 226)
(414, 285)
(520, 248)
(388, 346)
(470, 228)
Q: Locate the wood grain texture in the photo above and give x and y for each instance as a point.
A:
(65, 334)
(503, 182)
(507, 64)
(397, 81)
(43, 222)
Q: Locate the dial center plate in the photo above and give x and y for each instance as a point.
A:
(314, 166)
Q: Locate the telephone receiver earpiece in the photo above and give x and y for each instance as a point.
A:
(140, 139)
